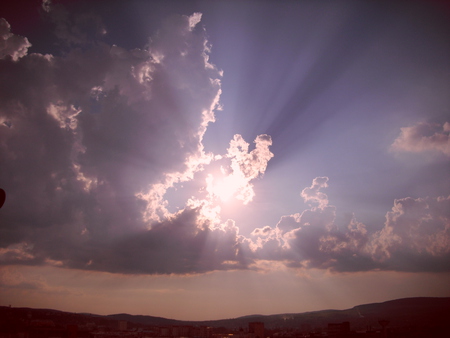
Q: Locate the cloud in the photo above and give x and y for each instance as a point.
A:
(86, 136)
(312, 194)
(16, 253)
(184, 244)
(10, 278)
(71, 27)
(12, 45)
(92, 140)
(46, 5)
(97, 137)
(235, 178)
(312, 239)
(424, 137)
(415, 237)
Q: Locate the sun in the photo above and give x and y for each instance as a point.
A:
(227, 187)
(224, 187)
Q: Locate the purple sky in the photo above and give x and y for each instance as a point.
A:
(212, 159)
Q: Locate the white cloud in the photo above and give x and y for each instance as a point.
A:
(234, 179)
(415, 227)
(415, 237)
(194, 19)
(424, 137)
(313, 193)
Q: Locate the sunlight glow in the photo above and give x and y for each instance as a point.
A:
(224, 188)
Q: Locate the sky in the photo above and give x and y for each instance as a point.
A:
(202, 160)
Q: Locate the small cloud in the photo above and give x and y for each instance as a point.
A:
(194, 19)
(47, 5)
(12, 45)
(424, 137)
(234, 180)
(11, 278)
(313, 193)
(17, 253)
(262, 231)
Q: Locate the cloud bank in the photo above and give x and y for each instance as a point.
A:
(92, 140)
(415, 237)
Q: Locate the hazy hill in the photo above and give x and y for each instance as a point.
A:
(407, 312)
(400, 312)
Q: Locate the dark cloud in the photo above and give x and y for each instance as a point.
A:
(74, 30)
(182, 245)
(84, 134)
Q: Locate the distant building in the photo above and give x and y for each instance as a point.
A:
(201, 332)
(72, 331)
(305, 327)
(337, 330)
(256, 330)
(122, 325)
(181, 331)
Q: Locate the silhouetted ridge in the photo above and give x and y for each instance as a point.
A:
(147, 320)
(407, 312)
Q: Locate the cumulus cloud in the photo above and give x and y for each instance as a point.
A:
(313, 193)
(88, 139)
(71, 27)
(312, 239)
(182, 244)
(12, 45)
(424, 137)
(91, 141)
(235, 178)
(415, 237)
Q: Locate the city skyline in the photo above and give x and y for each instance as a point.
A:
(202, 160)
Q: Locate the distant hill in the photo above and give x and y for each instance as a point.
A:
(407, 312)
(400, 313)
(146, 320)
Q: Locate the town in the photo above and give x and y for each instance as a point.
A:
(23, 324)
